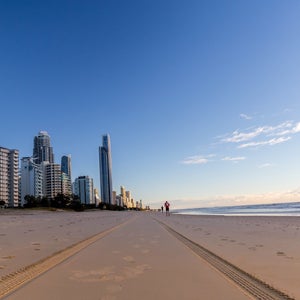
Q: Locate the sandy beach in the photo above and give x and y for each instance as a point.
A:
(140, 259)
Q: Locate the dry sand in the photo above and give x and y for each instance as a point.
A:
(267, 247)
(141, 260)
(27, 236)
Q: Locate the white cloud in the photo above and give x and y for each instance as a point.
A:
(195, 160)
(265, 165)
(246, 117)
(285, 130)
(238, 137)
(234, 159)
(270, 142)
(252, 137)
(296, 128)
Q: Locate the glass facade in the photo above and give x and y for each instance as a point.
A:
(105, 170)
(42, 150)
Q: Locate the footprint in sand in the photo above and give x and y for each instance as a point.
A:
(153, 242)
(2, 267)
(114, 288)
(280, 253)
(105, 274)
(2, 234)
(129, 259)
(108, 297)
(8, 257)
(133, 272)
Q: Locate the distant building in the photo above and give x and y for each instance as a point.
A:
(105, 163)
(128, 199)
(114, 197)
(9, 176)
(66, 179)
(66, 185)
(133, 205)
(66, 165)
(97, 197)
(84, 189)
(31, 179)
(119, 200)
(123, 195)
(42, 150)
(52, 180)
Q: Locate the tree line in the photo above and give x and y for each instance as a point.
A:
(59, 201)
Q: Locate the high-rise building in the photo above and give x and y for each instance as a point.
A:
(66, 175)
(66, 185)
(66, 165)
(52, 179)
(9, 176)
(128, 199)
(42, 150)
(114, 198)
(31, 179)
(123, 195)
(84, 189)
(105, 170)
(97, 197)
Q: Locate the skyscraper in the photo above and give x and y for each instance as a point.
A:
(66, 165)
(9, 176)
(31, 179)
(52, 179)
(42, 150)
(66, 175)
(105, 170)
(84, 189)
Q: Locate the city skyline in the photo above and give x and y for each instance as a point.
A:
(37, 180)
(201, 99)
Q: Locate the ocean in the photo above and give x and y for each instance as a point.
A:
(275, 209)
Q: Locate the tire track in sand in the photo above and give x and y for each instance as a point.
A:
(252, 285)
(15, 280)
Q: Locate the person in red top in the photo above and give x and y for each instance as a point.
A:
(167, 206)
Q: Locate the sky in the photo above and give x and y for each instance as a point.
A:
(201, 99)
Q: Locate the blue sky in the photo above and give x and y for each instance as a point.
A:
(200, 98)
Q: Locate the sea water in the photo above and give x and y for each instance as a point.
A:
(275, 209)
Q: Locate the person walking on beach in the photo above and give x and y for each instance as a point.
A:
(167, 206)
(162, 209)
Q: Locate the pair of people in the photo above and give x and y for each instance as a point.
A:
(167, 206)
